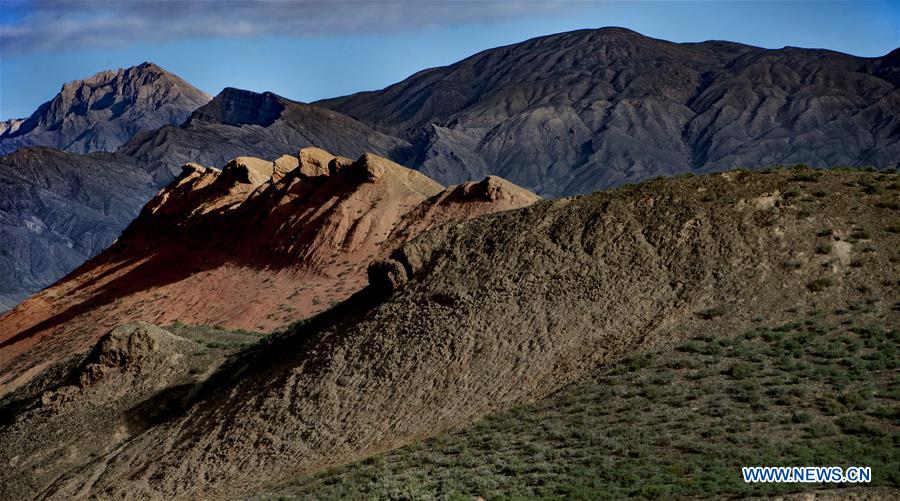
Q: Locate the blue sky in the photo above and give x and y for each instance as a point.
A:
(312, 50)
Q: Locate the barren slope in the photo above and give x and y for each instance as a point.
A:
(255, 246)
(575, 112)
(59, 209)
(505, 309)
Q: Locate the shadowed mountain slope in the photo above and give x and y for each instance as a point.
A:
(59, 209)
(239, 122)
(575, 112)
(256, 245)
(487, 314)
(102, 112)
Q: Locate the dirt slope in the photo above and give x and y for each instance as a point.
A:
(254, 246)
(508, 308)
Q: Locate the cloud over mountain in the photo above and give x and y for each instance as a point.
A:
(30, 26)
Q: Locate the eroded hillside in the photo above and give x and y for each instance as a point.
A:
(575, 112)
(256, 246)
(497, 311)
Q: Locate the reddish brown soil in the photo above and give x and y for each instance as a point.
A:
(254, 246)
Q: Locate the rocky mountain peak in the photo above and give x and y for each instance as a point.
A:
(103, 111)
(238, 107)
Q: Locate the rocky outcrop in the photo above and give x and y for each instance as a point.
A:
(136, 376)
(244, 123)
(104, 111)
(139, 347)
(10, 126)
(256, 245)
(576, 112)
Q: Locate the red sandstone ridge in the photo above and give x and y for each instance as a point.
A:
(255, 246)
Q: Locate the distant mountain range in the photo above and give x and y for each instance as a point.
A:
(585, 110)
(559, 115)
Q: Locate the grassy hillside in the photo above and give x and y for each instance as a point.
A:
(823, 390)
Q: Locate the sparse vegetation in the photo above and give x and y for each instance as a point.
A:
(215, 337)
(710, 313)
(805, 177)
(820, 284)
(664, 426)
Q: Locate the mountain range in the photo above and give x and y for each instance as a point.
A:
(559, 115)
(586, 110)
(251, 297)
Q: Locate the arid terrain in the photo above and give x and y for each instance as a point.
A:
(254, 246)
(757, 280)
(585, 265)
(559, 115)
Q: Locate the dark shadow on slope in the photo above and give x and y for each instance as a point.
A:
(292, 344)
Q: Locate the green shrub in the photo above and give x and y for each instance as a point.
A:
(801, 416)
(805, 177)
(710, 313)
(821, 429)
(741, 370)
(819, 284)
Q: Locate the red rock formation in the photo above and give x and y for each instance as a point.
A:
(254, 246)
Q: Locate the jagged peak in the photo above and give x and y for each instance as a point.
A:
(315, 174)
(235, 106)
(105, 76)
(248, 170)
(314, 161)
(493, 188)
